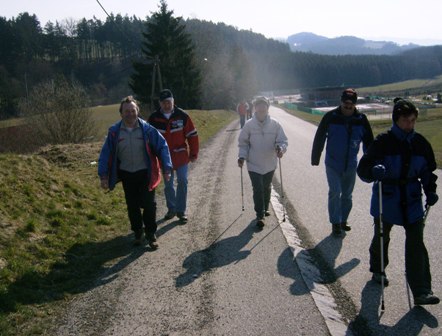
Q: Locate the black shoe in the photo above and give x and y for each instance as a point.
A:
(336, 229)
(345, 226)
(267, 213)
(182, 217)
(170, 214)
(138, 237)
(377, 277)
(152, 240)
(426, 299)
(260, 223)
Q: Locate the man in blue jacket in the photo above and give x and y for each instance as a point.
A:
(344, 128)
(130, 153)
(404, 161)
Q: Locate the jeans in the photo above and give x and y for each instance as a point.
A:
(417, 264)
(340, 194)
(137, 195)
(177, 200)
(261, 191)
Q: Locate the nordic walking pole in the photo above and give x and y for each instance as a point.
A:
(282, 188)
(242, 191)
(381, 235)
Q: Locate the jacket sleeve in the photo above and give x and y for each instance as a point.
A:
(105, 157)
(367, 139)
(319, 140)
(244, 142)
(372, 157)
(281, 139)
(428, 178)
(191, 135)
(161, 149)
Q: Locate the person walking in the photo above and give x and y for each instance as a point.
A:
(181, 135)
(242, 109)
(130, 154)
(403, 160)
(344, 128)
(261, 142)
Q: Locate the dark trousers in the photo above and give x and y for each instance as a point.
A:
(417, 265)
(261, 191)
(135, 186)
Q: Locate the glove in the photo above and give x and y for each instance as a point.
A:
(240, 162)
(432, 198)
(378, 172)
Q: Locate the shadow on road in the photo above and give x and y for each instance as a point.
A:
(317, 265)
(84, 267)
(218, 254)
(367, 322)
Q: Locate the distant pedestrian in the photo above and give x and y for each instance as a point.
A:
(261, 142)
(344, 128)
(182, 137)
(249, 110)
(242, 111)
(404, 161)
(130, 154)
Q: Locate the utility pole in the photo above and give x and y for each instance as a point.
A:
(155, 71)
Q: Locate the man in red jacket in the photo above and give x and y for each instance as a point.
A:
(182, 138)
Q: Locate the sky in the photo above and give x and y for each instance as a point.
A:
(401, 21)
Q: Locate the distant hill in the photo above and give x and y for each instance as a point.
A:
(344, 45)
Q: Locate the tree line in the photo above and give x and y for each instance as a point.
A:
(227, 64)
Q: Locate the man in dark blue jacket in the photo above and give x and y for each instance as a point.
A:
(344, 128)
(404, 161)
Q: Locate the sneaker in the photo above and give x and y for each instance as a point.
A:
(152, 240)
(377, 277)
(426, 299)
(260, 223)
(345, 226)
(138, 237)
(267, 213)
(183, 217)
(336, 229)
(169, 215)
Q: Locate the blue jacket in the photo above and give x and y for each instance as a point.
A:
(344, 136)
(156, 147)
(409, 162)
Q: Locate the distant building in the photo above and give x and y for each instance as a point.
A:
(322, 96)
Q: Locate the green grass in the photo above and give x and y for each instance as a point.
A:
(58, 230)
(428, 124)
(415, 85)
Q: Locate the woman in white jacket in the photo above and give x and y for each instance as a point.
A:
(261, 142)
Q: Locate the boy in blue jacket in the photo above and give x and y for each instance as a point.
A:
(404, 161)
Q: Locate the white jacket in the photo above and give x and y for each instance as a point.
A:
(257, 144)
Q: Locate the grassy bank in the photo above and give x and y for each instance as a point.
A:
(428, 124)
(58, 230)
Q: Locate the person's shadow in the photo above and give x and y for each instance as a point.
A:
(84, 266)
(218, 254)
(316, 264)
(367, 322)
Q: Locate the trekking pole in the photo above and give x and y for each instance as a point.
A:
(381, 235)
(242, 191)
(282, 188)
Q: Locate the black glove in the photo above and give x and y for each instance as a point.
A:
(378, 172)
(432, 198)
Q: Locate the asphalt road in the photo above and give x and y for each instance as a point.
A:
(218, 275)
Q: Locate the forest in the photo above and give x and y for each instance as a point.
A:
(233, 63)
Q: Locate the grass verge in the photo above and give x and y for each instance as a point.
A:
(59, 231)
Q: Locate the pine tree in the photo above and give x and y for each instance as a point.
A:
(165, 39)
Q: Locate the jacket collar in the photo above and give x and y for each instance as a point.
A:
(402, 135)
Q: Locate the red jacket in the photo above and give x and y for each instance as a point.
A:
(180, 134)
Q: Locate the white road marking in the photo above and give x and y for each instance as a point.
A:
(310, 273)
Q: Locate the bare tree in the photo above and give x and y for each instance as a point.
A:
(57, 111)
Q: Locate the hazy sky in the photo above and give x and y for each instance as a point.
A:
(402, 21)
